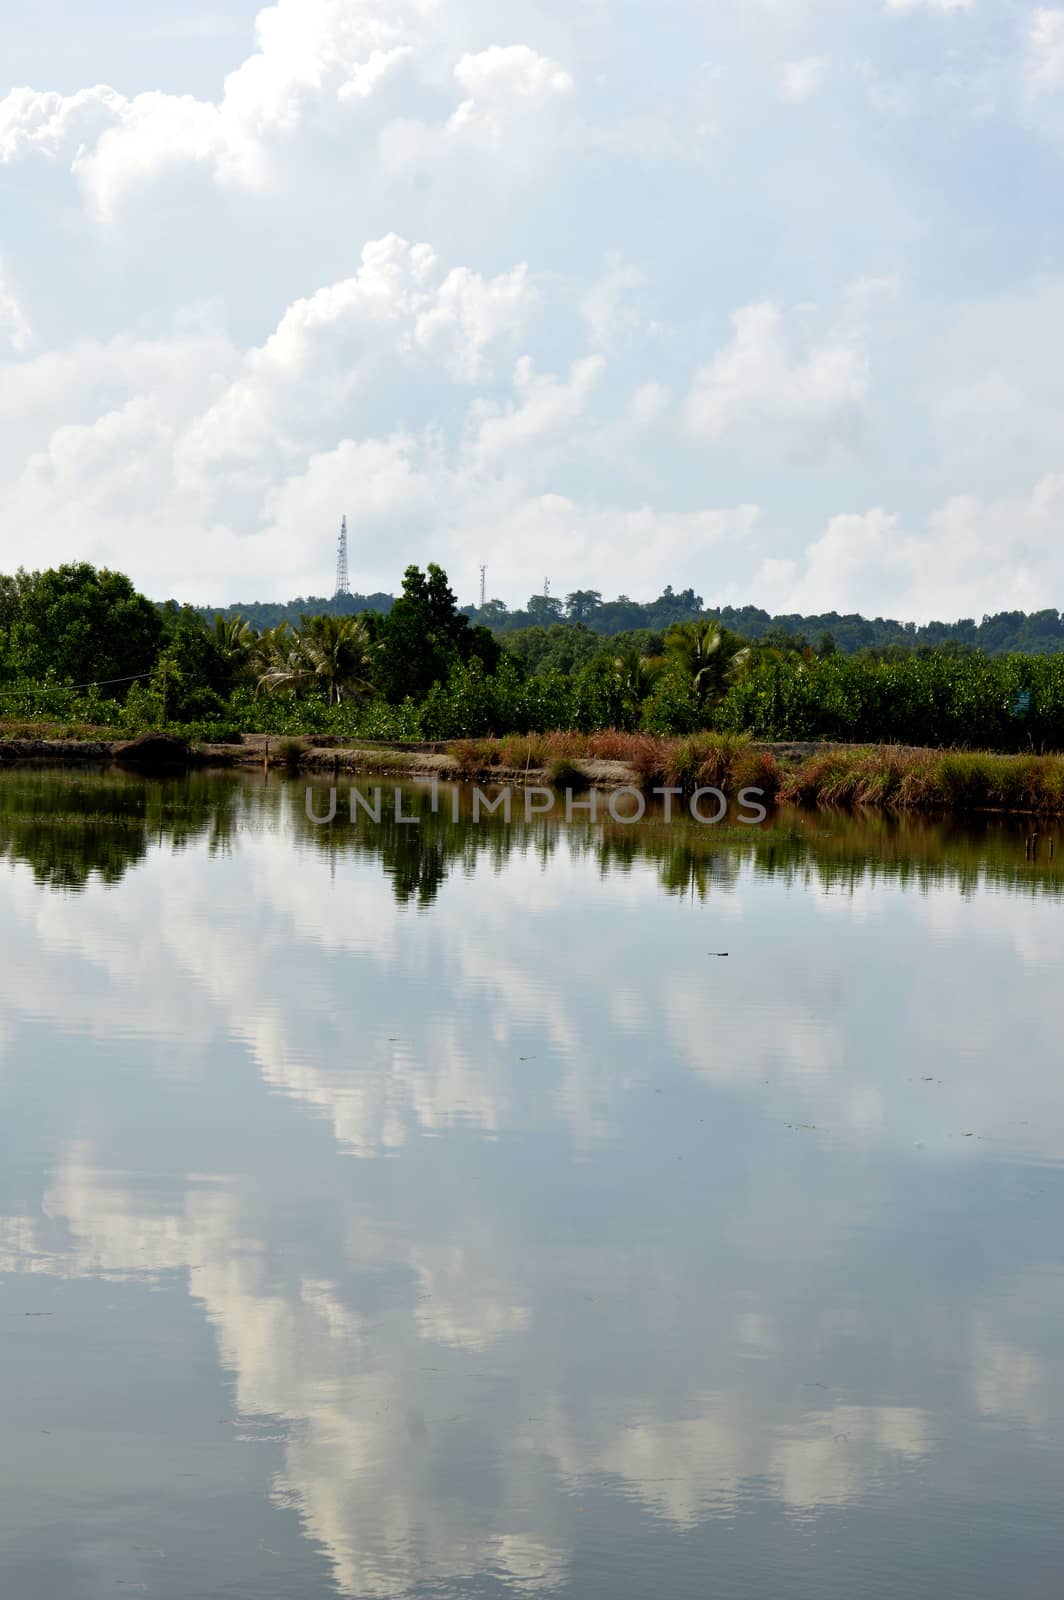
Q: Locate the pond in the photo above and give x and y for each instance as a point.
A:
(453, 1208)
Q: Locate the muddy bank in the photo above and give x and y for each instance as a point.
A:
(147, 753)
(454, 759)
(56, 751)
(892, 778)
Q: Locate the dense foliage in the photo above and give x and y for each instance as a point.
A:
(261, 614)
(81, 645)
(585, 614)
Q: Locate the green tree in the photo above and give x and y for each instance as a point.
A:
(673, 706)
(712, 657)
(580, 605)
(492, 612)
(545, 609)
(424, 635)
(635, 674)
(234, 640)
(331, 653)
(82, 625)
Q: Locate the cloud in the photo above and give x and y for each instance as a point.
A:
(510, 97)
(469, 313)
(497, 78)
(800, 80)
(761, 389)
(311, 55)
(329, 343)
(544, 405)
(192, 457)
(52, 124)
(1045, 72)
(14, 325)
(929, 5)
(970, 551)
(648, 403)
(308, 51)
(467, 508)
(604, 305)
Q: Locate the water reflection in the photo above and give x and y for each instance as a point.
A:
(70, 826)
(544, 1251)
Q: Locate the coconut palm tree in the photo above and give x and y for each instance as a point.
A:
(267, 650)
(635, 674)
(233, 637)
(333, 653)
(712, 656)
(234, 640)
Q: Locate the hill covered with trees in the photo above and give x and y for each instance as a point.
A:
(1032, 633)
(259, 614)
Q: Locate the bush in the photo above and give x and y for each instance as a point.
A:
(565, 774)
(672, 706)
(290, 752)
(928, 780)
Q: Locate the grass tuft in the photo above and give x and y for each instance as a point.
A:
(565, 774)
(900, 779)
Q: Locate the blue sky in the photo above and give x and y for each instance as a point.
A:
(764, 299)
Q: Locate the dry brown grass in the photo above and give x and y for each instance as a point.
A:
(926, 780)
(889, 776)
(709, 759)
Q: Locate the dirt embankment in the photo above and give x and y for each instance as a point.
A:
(443, 759)
(149, 752)
(886, 777)
(57, 751)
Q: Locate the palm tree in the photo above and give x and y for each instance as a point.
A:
(268, 649)
(233, 636)
(635, 674)
(712, 656)
(335, 653)
(234, 640)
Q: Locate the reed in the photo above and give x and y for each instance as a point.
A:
(901, 779)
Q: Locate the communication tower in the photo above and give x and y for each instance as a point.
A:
(343, 581)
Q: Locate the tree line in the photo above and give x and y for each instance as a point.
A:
(1004, 632)
(79, 644)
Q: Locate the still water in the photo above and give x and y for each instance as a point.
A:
(433, 1210)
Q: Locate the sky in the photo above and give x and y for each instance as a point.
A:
(765, 299)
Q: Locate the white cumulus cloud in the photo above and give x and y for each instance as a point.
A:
(504, 73)
(14, 325)
(395, 306)
(544, 405)
(308, 51)
(970, 552)
(763, 388)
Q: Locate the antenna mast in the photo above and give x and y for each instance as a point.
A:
(483, 585)
(343, 582)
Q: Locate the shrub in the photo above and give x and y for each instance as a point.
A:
(672, 706)
(565, 774)
(290, 752)
(928, 779)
